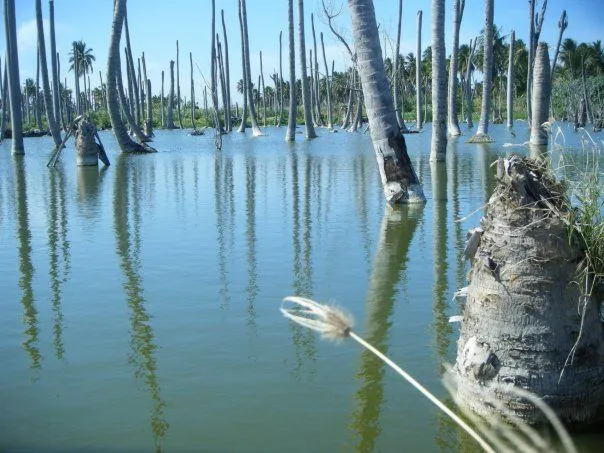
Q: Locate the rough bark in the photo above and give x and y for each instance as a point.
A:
(525, 323)
(487, 71)
(529, 75)
(439, 84)
(310, 130)
(418, 72)
(510, 87)
(395, 68)
(458, 7)
(14, 85)
(399, 180)
(290, 135)
(542, 89)
(87, 151)
(327, 87)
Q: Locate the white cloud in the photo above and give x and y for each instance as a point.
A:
(27, 36)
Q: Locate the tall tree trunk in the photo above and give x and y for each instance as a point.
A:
(510, 87)
(487, 71)
(162, 103)
(125, 143)
(213, 76)
(531, 57)
(192, 94)
(316, 86)
(178, 85)
(290, 135)
(349, 104)
(62, 108)
(53, 63)
(263, 91)
(418, 72)
(562, 24)
(399, 107)
(227, 75)
(458, 7)
(280, 81)
(76, 74)
(134, 99)
(310, 130)
(439, 83)
(4, 86)
(50, 117)
(468, 87)
(170, 118)
(243, 124)
(14, 85)
(399, 180)
(327, 87)
(541, 95)
(222, 78)
(149, 119)
(37, 100)
(250, 97)
(126, 108)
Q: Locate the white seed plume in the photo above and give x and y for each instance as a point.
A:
(331, 322)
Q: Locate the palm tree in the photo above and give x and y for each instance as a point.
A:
(247, 71)
(487, 71)
(290, 135)
(310, 129)
(81, 60)
(125, 143)
(458, 7)
(571, 61)
(439, 83)
(50, 117)
(14, 86)
(399, 180)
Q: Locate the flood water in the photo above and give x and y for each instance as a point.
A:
(140, 302)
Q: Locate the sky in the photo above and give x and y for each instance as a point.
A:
(156, 25)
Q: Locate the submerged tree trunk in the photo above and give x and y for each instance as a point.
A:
(134, 97)
(227, 114)
(439, 83)
(243, 124)
(526, 322)
(487, 71)
(170, 118)
(250, 97)
(399, 180)
(458, 7)
(125, 143)
(290, 135)
(418, 73)
(14, 85)
(398, 106)
(510, 87)
(310, 130)
(327, 88)
(50, 117)
(149, 119)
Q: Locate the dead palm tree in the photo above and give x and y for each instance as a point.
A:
(310, 129)
(290, 135)
(399, 180)
(14, 86)
(439, 83)
(458, 7)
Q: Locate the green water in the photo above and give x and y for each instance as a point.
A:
(139, 303)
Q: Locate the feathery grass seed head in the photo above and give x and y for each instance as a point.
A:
(331, 322)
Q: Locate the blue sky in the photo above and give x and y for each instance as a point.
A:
(156, 25)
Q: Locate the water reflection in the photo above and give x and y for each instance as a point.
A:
(126, 204)
(486, 156)
(89, 188)
(453, 169)
(223, 198)
(250, 235)
(360, 191)
(58, 248)
(389, 268)
(26, 267)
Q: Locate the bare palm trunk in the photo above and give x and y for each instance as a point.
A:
(510, 87)
(587, 109)
(149, 119)
(243, 124)
(134, 99)
(468, 87)
(76, 74)
(126, 144)
(310, 130)
(263, 91)
(223, 90)
(162, 103)
(327, 87)
(250, 98)
(439, 83)
(399, 106)
(192, 94)
(280, 121)
(227, 75)
(316, 86)
(170, 118)
(134, 127)
(178, 85)
(53, 63)
(290, 135)
(418, 72)
(37, 99)
(50, 117)
(487, 71)
(399, 180)
(458, 7)
(562, 24)
(541, 95)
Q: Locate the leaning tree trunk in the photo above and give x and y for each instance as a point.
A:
(248, 75)
(124, 141)
(290, 135)
(562, 24)
(327, 87)
(526, 323)
(399, 180)
(458, 7)
(510, 87)
(418, 73)
(439, 83)
(487, 71)
(310, 130)
(50, 116)
(542, 89)
(4, 88)
(14, 86)
(395, 68)
(134, 98)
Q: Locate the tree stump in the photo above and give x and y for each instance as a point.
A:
(526, 321)
(87, 150)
